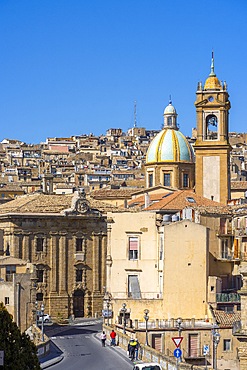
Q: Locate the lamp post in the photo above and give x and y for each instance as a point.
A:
(179, 326)
(216, 340)
(124, 309)
(146, 317)
(108, 306)
(42, 308)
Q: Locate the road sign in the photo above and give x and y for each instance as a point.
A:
(1, 358)
(177, 352)
(107, 313)
(205, 349)
(177, 341)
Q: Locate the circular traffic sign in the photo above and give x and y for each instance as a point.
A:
(177, 352)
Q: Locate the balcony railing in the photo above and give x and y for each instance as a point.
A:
(227, 297)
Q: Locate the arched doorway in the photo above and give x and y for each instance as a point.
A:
(78, 303)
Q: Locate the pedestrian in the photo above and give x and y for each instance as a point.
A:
(113, 338)
(103, 338)
(137, 349)
(132, 348)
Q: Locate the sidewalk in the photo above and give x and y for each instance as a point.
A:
(54, 357)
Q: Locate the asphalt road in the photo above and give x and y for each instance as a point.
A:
(82, 349)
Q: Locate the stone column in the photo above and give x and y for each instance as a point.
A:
(15, 245)
(26, 246)
(108, 255)
(96, 262)
(103, 261)
(62, 273)
(53, 263)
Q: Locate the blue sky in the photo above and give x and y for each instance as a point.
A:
(69, 67)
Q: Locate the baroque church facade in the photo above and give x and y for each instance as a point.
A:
(65, 238)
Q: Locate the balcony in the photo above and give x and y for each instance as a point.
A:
(224, 231)
(227, 297)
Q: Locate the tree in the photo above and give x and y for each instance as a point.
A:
(19, 351)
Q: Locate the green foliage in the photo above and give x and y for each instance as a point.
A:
(19, 351)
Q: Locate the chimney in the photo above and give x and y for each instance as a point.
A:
(147, 199)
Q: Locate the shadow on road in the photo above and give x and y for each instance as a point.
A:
(55, 330)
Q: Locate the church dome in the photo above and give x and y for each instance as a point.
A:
(170, 109)
(169, 145)
(212, 83)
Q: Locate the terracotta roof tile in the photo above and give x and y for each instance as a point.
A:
(225, 319)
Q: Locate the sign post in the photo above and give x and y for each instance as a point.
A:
(177, 352)
(205, 353)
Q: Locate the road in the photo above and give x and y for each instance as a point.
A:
(82, 349)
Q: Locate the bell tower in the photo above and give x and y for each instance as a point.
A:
(212, 146)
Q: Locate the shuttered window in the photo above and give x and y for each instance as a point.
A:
(193, 345)
(133, 248)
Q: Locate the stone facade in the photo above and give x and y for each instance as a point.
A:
(67, 246)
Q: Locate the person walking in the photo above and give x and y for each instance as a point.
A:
(113, 338)
(103, 338)
(131, 348)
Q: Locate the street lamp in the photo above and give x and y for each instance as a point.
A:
(216, 340)
(146, 317)
(42, 308)
(179, 326)
(124, 309)
(108, 306)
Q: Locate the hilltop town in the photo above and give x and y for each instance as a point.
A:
(114, 224)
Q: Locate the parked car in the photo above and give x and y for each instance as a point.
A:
(46, 318)
(147, 366)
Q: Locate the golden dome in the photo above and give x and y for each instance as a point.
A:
(212, 83)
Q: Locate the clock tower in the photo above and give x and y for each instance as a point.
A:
(212, 146)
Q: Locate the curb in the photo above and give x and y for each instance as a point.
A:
(52, 362)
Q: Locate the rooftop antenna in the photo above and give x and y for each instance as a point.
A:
(135, 113)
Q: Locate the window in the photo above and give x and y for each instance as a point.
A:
(39, 297)
(193, 345)
(185, 180)
(79, 244)
(40, 245)
(150, 180)
(10, 270)
(79, 275)
(227, 345)
(167, 179)
(134, 287)
(133, 247)
(190, 199)
(40, 276)
(224, 248)
(169, 120)
(6, 300)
